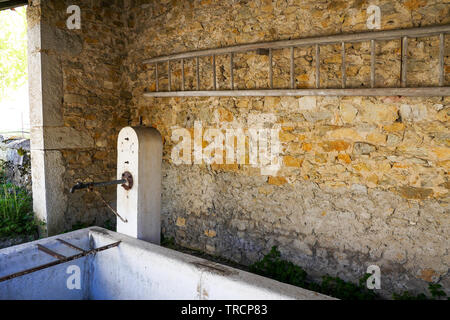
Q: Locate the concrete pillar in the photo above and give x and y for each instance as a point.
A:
(49, 135)
(140, 153)
(45, 88)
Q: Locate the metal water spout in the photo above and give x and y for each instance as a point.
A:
(126, 182)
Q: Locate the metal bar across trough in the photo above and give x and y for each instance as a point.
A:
(61, 258)
(51, 252)
(71, 245)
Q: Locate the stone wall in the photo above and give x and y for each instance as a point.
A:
(15, 161)
(77, 107)
(364, 179)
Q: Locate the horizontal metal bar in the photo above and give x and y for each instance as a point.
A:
(54, 263)
(333, 39)
(52, 253)
(411, 92)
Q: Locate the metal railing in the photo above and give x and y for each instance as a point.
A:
(268, 47)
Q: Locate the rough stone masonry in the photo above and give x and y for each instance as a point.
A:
(364, 179)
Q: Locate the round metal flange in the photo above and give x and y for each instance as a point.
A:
(127, 176)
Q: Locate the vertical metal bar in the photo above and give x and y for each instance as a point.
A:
(197, 72)
(292, 68)
(157, 76)
(404, 57)
(317, 66)
(270, 69)
(344, 76)
(372, 63)
(231, 72)
(168, 75)
(182, 74)
(214, 72)
(441, 59)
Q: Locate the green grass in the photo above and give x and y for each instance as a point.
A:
(16, 213)
(273, 266)
(434, 289)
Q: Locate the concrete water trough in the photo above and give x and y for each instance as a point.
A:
(95, 263)
(129, 269)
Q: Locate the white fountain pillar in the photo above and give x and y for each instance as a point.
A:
(139, 152)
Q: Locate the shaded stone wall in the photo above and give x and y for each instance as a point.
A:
(364, 180)
(15, 162)
(77, 107)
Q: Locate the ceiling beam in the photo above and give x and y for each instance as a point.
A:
(12, 4)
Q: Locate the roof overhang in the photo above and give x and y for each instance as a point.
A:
(9, 4)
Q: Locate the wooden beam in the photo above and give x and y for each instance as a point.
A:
(12, 4)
